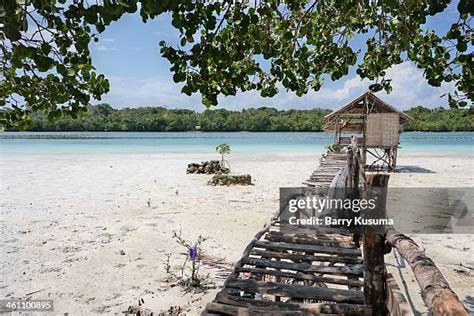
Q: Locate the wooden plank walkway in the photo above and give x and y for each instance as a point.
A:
(296, 270)
(326, 171)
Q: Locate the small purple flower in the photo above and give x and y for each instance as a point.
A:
(193, 252)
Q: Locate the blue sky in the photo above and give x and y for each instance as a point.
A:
(128, 54)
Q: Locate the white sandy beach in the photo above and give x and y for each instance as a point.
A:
(92, 232)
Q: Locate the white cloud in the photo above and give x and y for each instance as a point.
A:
(104, 45)
(103, 48)
(133, 92)
(409, 89)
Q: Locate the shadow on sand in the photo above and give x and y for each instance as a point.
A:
(413, 169)
(400, 264)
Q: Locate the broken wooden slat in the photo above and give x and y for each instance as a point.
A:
(317, 182)
(308, 248)
(315, 308)
(287, 228)
(320, 180)
(332, 165)
(311, 230)
(324, 173)
(322, 176)
(308, 240)
(343, 238)
(227, 309)
(306, 257)
(297, 291)
(355, 270)
(303, 276)
(237, 300)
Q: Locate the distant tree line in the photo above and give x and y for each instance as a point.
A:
(103, 117)
(440, 119)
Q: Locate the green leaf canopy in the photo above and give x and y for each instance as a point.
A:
(228, 46)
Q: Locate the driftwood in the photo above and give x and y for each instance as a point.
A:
(435, 290)
(320, 237)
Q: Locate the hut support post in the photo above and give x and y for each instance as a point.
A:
(374, 265)
(390, 153)
(353, 163)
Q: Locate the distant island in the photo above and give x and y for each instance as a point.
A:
(103, 117)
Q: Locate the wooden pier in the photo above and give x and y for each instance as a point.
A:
(297, 270)
(291, 270)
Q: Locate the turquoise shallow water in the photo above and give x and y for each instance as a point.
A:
(195, 142)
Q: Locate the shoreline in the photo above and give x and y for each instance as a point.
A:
(241, 154)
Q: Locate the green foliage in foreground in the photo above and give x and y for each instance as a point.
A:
(104, 118)
(46, 62)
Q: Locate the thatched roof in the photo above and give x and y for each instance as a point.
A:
(363, 105)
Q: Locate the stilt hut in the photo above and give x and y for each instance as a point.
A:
(373, 124)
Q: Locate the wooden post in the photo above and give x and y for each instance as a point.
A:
(394, 158)
(354, 170)
(373, 252)
(364, 148)
(390, 159)
(353, 163)
(350, 168)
